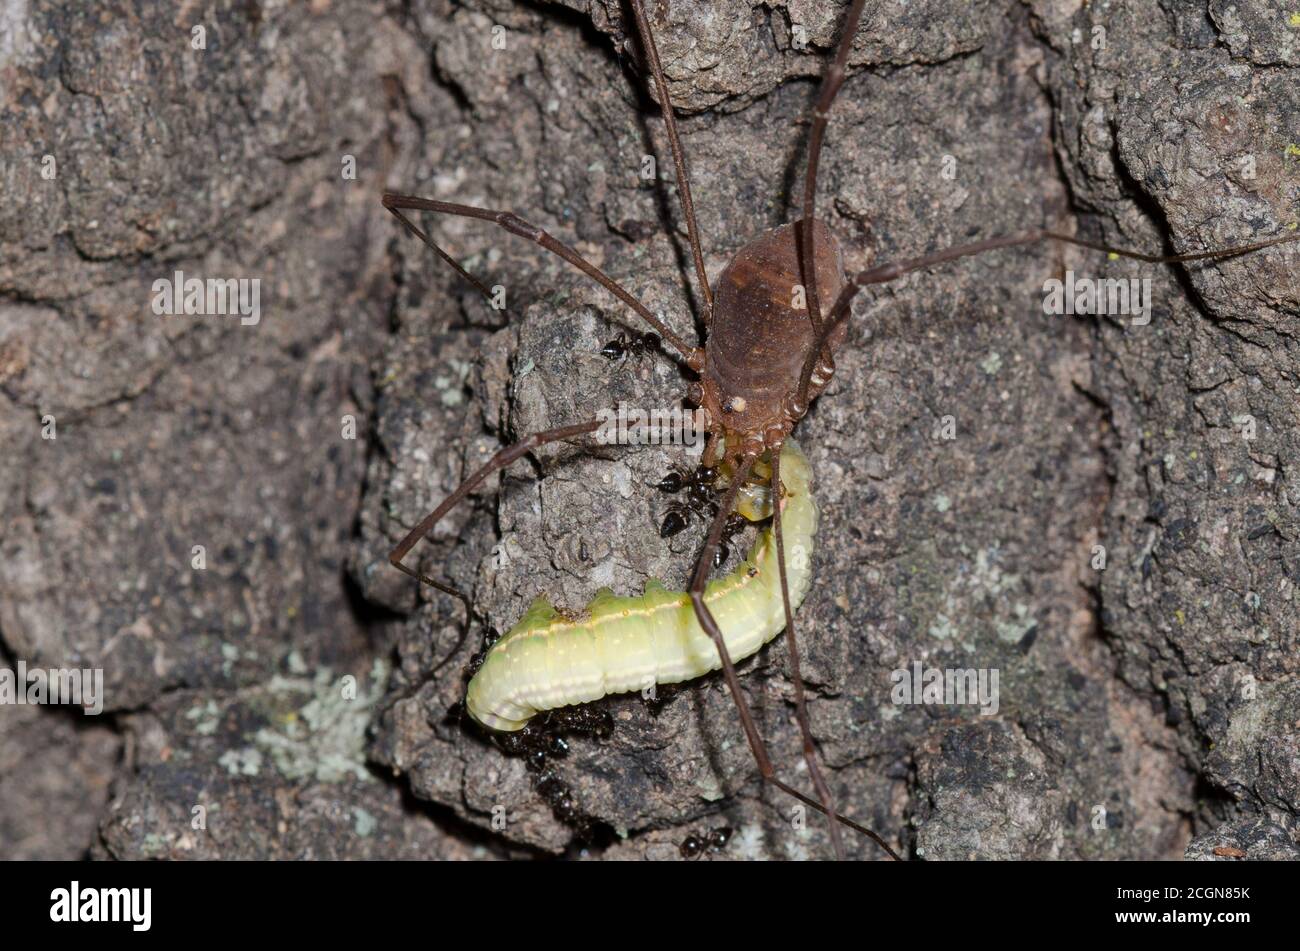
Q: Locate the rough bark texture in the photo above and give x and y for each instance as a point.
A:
(1146, 709)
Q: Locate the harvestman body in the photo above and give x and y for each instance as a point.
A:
(769, 353)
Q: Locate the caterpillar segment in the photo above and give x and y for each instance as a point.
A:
(621, 644)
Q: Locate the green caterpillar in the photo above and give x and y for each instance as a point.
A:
(620, 644)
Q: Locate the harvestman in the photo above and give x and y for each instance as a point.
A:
(763, 363)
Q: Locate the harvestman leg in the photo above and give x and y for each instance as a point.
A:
(830, 88)
(698, 581)
(831, 84)
(884, 273)
(679, 156)
(792, 646)
(499, 460)
(693, 356)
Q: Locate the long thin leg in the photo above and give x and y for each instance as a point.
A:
(679, 156)
(455, 265)
(883, 273)
(800, 702)
(511, 222)
(500, 460)
(698, 581)
(831, 84)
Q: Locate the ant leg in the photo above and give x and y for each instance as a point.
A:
(679, 156)
(500, 460)
(883, 273)
(693, 356)
(710, 625)
(800, 702)
(831, 84)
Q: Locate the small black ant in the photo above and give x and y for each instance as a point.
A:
(542, 739)
(636, 346)
(693, 846)
(701, 500)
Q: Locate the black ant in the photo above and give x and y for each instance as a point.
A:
(693, 846)
(701, 500)
(636, 346)
(542, 739)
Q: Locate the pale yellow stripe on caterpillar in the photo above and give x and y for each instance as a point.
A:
(621, 644)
